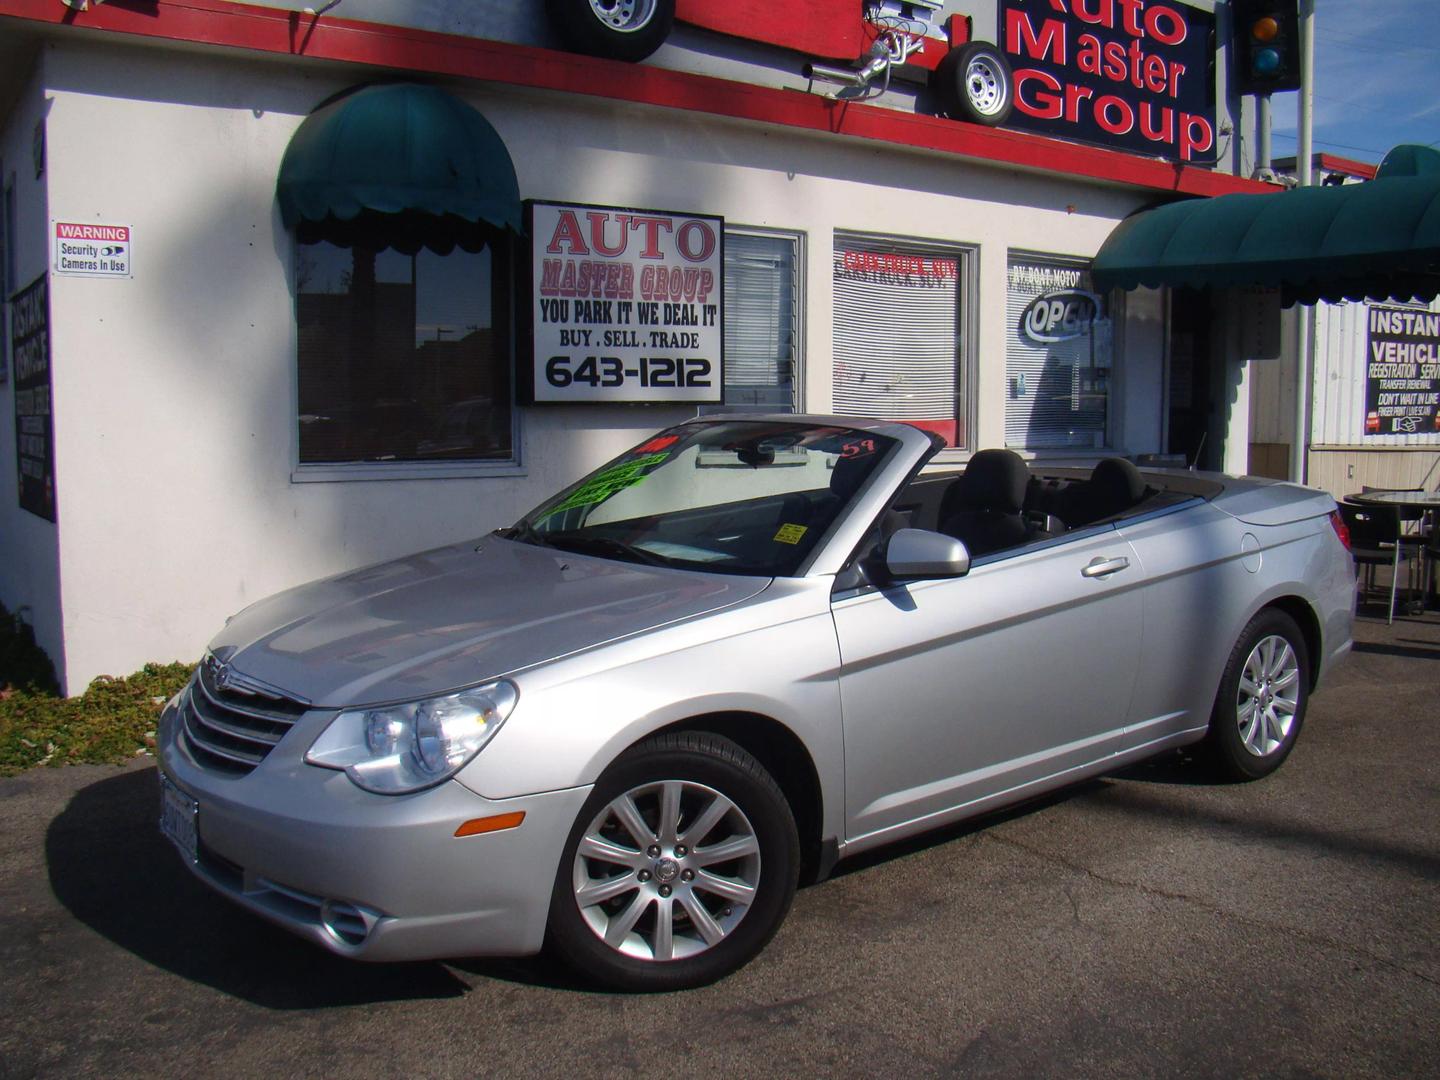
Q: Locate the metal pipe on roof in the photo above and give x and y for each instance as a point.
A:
(1305, 337)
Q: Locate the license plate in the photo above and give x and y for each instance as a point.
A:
(178, 813)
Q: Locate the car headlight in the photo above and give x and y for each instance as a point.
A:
(395, 749)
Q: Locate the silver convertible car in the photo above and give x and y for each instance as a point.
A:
(628, 725)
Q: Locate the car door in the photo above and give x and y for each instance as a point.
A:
(959, 689)
(1204, 565)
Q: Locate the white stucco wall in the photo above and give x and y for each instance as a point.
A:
(176, 388)
(30, 566)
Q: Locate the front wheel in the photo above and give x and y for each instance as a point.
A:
(1261, 702)
(679, 869)
(618, 29)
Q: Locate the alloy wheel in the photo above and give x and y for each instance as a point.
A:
(666, 870)
(1269, 695)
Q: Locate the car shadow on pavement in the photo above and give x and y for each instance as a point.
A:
(1426, 652)
(949, 833)
(1365, 844)
(1186, 767)
(110, 867)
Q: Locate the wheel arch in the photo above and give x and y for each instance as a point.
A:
(1308, 620)
(785, 757)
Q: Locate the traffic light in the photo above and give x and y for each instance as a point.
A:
(1266, 39)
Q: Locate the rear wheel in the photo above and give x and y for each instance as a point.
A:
(679, 869)
(618, 29)
(1261, 702)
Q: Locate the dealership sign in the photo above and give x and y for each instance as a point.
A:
(626, 306)
(1402, 372)
(1129, 74)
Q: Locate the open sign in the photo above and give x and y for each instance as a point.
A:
(1060, 316)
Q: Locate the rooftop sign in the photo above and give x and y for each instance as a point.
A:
(1132, 75)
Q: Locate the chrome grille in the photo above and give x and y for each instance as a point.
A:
(231, 722)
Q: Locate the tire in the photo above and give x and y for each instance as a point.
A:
(974, 83)
(608, 911)
(616, 29)
(1260, 706)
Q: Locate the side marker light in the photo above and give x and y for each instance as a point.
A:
(498, 823)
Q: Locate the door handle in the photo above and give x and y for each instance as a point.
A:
(1100, 566)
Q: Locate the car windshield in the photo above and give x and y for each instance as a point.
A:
(737, 497)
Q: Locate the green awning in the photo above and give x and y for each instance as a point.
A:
(1377, 239)
(398, 165)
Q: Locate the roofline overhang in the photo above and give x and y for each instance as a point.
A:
(225, 24)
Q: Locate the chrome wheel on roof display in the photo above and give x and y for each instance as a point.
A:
(973, 82)
(619, 29)
(666, 870)
(987, 85)
(624, 15)
(1269, 695)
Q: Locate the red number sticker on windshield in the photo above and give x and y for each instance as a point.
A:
(656, 444)
(858, 449)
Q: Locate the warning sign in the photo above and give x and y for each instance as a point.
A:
(96, 250)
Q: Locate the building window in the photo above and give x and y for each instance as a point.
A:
(902, 327)
(762, 320)
(402, 358)
(1058, 356)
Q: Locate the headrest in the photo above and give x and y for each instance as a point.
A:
(1119, 482)
(848, 474)
(994, 480)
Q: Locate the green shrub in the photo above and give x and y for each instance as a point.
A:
(111, 722)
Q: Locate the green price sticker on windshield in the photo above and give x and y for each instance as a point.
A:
(610, 482)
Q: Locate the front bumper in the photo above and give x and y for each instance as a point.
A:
(372, 877)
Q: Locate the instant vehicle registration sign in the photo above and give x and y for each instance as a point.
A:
(178, 813)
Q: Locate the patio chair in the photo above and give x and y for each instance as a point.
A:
(1375, 541)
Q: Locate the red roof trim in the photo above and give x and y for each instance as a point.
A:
(1334, 163)
(221, 22)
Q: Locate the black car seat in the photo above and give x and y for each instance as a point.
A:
(848, 475)
(1115, 485)
(982, 509)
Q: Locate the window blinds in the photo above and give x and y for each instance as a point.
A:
(896, 321)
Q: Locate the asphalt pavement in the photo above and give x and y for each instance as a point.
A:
(1147, 924)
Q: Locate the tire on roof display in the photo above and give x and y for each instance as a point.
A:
(617, 29)
(973, 82)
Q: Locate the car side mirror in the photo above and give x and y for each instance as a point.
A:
(920, 553)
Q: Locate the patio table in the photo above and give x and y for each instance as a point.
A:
(1428, 503)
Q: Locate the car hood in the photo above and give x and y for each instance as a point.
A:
(456, 616)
